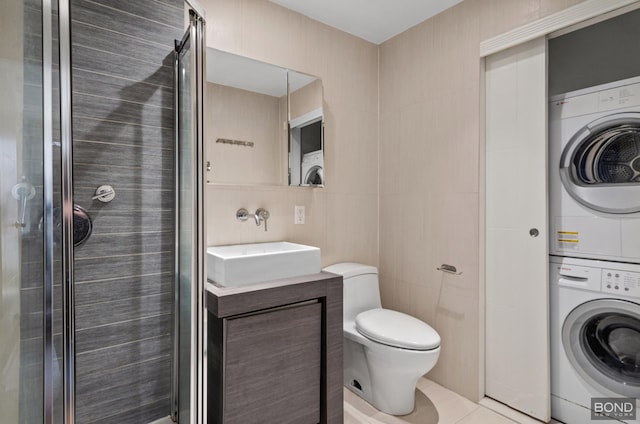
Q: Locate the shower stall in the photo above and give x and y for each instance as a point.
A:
(101, 211)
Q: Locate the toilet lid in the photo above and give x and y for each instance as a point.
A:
(397, 329)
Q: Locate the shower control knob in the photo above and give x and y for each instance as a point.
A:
(534, 232)
(242, 214)
(104, 193)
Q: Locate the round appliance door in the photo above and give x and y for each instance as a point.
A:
(602, 341)
(314, 176)
(600, 166)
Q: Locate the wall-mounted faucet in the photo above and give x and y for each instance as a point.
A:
(261, 215)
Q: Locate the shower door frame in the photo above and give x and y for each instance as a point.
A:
(48, 224)
(48, 181)
(193, 39)
(66, 152)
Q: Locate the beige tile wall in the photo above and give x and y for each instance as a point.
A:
(243, 115)
(425, 190)
(429, 174)
(306, 99)
(342, 218)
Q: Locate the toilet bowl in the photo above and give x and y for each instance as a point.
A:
(385, 351)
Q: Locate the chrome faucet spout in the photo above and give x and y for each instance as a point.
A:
(261, 215)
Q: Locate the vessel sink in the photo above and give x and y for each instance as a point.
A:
(242, 264)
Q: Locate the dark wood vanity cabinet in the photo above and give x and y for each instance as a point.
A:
(275, 352)
(271, 362)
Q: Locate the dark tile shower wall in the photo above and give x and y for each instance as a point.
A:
(123, 136)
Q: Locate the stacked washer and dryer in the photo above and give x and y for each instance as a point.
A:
(594, 167)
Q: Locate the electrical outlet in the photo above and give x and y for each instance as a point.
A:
(298, 214)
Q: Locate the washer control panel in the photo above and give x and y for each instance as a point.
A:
(619, 282)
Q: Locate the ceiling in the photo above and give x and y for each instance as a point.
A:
(373, 20)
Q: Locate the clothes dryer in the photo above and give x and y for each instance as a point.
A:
(594, 172)
(312, 172)
(595, 336)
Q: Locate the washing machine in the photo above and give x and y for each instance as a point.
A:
(594, 172)
(312, 173)
(595, 336)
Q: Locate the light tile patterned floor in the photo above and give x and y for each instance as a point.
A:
(434, 405)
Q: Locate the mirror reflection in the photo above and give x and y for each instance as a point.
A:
(263, 123)
(306, 158)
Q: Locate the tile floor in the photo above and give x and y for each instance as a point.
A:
(434, 405)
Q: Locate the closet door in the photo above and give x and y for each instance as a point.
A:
(517, 335)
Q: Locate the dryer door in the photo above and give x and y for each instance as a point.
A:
(600, 166)
(314, 176)
(602, 341)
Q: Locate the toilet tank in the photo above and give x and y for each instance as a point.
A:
(360, 288)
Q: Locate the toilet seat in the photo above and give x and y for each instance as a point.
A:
(396, 329)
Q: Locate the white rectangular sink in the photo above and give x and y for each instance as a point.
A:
(242, 264)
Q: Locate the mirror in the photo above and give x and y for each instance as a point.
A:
(263, 123)
(306, 130)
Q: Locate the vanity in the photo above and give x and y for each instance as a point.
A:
(274, 320)
(275, 350)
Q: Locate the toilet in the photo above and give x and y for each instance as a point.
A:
(385, 351)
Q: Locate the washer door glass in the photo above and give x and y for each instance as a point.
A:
(602, 341)
(600, 166)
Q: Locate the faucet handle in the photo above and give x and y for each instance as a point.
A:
(262, 215)
(242, 214)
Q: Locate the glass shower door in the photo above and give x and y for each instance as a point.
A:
(30, 367)
(188, 329)
(20, 299)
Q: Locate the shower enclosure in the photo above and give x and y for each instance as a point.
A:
(94, 95)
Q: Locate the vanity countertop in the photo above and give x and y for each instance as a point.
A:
(228, 301)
